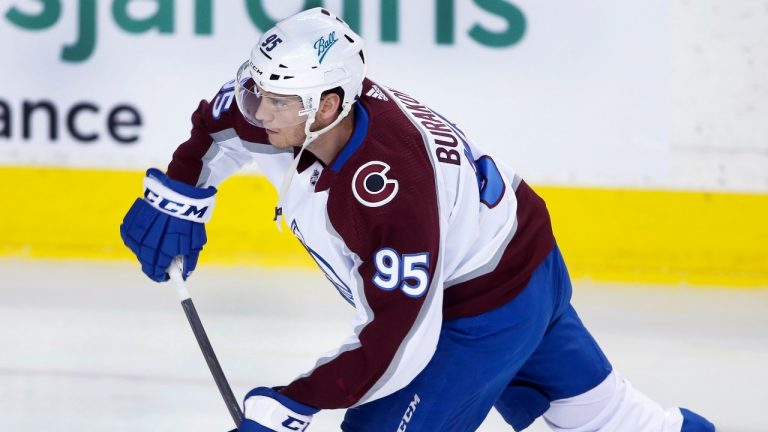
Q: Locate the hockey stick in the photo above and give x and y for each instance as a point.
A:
(174, 271)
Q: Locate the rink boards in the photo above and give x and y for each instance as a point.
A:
(699, 238)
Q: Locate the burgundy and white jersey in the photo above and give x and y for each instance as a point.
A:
(411, 222)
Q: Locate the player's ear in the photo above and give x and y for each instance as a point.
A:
(330, 105)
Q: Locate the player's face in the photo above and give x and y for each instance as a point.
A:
(290, 136)
(279, 115)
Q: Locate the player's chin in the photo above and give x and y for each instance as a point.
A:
(275, 138)
(282, 141)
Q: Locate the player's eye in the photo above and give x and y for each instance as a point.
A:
(276, 103)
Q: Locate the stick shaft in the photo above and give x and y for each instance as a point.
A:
(213, 363)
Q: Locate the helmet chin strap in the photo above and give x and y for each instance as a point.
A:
(310, 136)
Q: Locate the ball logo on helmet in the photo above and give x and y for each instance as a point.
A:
(371, 186)
(322, 45)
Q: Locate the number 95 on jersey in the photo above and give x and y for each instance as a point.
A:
(408, 272)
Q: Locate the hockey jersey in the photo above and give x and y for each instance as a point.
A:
(411, 222)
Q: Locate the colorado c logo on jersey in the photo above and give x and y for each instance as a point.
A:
(371, 185)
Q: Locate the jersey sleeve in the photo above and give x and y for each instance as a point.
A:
(218, 143)
(397, 287)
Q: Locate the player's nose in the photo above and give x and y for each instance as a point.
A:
(263, 113)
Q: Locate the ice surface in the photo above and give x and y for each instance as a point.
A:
(97, 346)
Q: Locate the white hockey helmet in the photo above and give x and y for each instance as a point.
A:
(296, 61)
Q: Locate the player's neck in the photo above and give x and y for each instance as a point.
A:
(330, 143)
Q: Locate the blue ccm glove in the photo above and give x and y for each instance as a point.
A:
(169, 221)
(267, 410)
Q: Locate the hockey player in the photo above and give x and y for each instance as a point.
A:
(462, 298)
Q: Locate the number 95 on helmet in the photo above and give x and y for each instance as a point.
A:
(294, 63)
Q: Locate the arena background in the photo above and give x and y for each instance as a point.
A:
(642, 123)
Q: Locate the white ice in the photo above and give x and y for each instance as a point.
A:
(98, 347)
